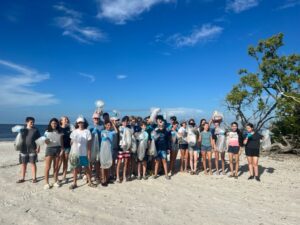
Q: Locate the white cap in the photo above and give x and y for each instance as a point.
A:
(80, 119)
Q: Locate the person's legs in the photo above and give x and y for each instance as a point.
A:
(217, 161)
(186, 157)
(231, 163)
(255, 165)
(237, 159)
(56, 162)
(33, 171)
(118, 169)
(98, 171)
(48, 161)
(203, 153)
(223, 162)
(157, 161)
(88, 174)
(165, 165)
(182, 155)
(209, 162)
(250, 166)
(139, 168)
(144, 168)
(23, 170)
(75, 171)
(191, 160)
(65, 165)
(195, 161)
(125, 167)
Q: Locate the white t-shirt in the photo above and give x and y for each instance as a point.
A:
(81, 138)
(54, 138)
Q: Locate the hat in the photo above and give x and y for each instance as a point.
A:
(96, 115)
(80, 119)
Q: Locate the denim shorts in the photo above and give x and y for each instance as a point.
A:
(194, 149)
(205, 148)
(52, 151)
(83, 161)
(234, 149)
(67, 150)
(27, 158)
(161, 154)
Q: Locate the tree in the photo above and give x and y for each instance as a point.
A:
(270, 93)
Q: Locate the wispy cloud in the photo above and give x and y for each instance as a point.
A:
(91, 77)
(239, 6)
(121, 77)
(72, 25)
(120, 11)
(206, 32)
(16, 88)
(183, 112)
(289, 4)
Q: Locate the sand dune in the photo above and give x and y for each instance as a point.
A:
(185, 199)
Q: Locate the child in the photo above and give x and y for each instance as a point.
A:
(234, 142)
(66, 130)
(193, 145)
(29, 149)
(107, 137)
(162, 144)
(124, 153)
(206, 147)
(141, 150)
(174, 147)
(54, 141)
(80, 139)
(252, 145)
(220, 146)
(183, 146)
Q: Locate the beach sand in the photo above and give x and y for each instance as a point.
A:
(185, 199)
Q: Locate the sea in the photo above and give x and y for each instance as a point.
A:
(7, 135)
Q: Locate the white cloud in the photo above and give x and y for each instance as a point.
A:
(73, 26)
(199, 35)
(238, 6)
(183, 112)
(16, 89)
(289, 4)
(91, 77)
(121, 77)
(120, 11)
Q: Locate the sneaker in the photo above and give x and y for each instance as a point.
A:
(257, 178)
(251, 178)
(145, 177)
(139, 178)
(84, 177)
(47, 186)
(168, 177)
(56, 184)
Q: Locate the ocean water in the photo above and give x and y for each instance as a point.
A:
(7, 135)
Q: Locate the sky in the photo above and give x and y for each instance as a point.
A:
(59, 57)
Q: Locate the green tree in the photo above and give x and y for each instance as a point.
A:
(272, 92)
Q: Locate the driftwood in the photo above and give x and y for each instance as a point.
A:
(290, 146)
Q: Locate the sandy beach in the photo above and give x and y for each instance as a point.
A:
(185, 199)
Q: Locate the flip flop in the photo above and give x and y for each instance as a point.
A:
(34, 181)
(20, 181)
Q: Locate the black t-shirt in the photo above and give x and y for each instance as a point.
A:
(29, 136)
(163, 140)
(254, 141)
(66, 137)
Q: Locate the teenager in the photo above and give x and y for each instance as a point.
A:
(252, 145)
(207, 144)
(174, 147)
(183, 146)
(142, 139)
(29, 149)
(220, 146)
(193, 145)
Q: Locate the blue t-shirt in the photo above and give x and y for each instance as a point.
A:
(205, 138)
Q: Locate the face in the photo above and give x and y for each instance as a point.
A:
(81, 125)
(108, 126)
(143, 126)
(206, 126)
(30, 123)
(184, 125)
(175, 126)
(124, 123)
(249, 129)
(64, 120)
(192, 123)
(53, 125)
(96, 120)
(234, 127)
(216, 124)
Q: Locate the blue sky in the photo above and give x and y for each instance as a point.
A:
(58, 57)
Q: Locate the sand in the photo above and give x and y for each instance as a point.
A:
(185, 199)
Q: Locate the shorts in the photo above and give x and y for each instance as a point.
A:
(252, 152)
(124, 155)
(27, 158)
(194, 149)
(83, 161)
(115, 154)
(161, 154)
(183, 146)
(52, 151)
(234, 149)
(205, 148)
(144, 159)
(67, 150)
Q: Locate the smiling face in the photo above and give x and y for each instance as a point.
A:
(54, 125)
(107, 126)
(206, 127)
(249, 129)
(96, 120)
(234, 127)
(30, 124)
(64, 121)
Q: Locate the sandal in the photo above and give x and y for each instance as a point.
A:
(92, 185)
(73, 186)
(34, 180)
(20, 181)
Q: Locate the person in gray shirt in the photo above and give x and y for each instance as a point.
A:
(29, 149)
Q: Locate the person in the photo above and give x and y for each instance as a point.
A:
(54, 149)
(142, 139)
(201, 125)
(29, 149)
(174, 147)
(234, 140)
(207, 145)
(220, 146)
(252, 145)
(125, 145)
(95, 130)
(66, 130)
(162, 144)
(183, 146)
(81, 141)
(107, 137)
(193, 145)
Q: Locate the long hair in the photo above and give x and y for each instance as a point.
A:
(49, 128)
(86, 124)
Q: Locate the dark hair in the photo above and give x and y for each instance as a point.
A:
(192, 120)
(159, 117)
(106, 122)
(29, 118)
(125, 118)
(237, 127)
(49, 128)
(143, 123)
(86, 124)
(146, 118)
(250, 125)
(173, 118)
(175, 123)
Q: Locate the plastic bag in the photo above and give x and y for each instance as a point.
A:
(152, 148)
(221, 139)
(74, 156)
(95, 148)
(143, 144)
(133, 144)
(126, 139)
(191, 137)
(16, 128)
(18, 142)
(40, 141)
(266, 142)
(217, 116)
(154, 113)
(106, 153)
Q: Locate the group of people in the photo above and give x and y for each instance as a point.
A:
(113, 150)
